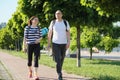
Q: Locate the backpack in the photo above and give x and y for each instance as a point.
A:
(65, 22)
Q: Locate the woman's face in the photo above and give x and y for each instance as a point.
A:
(35, 21)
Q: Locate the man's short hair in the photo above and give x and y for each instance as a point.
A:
(58, 11)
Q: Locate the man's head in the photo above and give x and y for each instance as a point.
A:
(58, 14)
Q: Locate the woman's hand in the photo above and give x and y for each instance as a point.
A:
(38, 40)
(25, 50)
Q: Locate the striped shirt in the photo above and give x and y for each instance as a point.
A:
(31, 34)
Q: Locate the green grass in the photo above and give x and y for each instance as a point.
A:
(97, 69)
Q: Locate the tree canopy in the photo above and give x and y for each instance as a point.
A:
(104, 7)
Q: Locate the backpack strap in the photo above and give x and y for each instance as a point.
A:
(65, 22)
(53, 22)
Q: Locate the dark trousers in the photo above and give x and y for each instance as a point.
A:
(59, 55)
(33, 48)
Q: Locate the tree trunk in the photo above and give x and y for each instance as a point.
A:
(18, 45)
(78, 46)
(91, 53)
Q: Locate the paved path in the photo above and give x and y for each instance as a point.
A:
(4, 74)
(18, 69)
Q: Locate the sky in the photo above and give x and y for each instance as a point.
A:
(7, 8)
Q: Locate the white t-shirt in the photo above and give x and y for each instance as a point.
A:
(59, 32)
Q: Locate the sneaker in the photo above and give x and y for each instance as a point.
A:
(60, 77)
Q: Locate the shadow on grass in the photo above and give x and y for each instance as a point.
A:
(74, 78)
(105, 78)
(64, 78)
(107, 62)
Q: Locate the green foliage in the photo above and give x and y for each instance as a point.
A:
(107, 43)
(90, 37)
(104, 7)
(73, 38)
(6, 41)
(77, 15)
(115, 32)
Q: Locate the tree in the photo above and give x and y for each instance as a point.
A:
(90, 38)
(6, 41)
(32, 8)
(104, 7)
(16, 26)
(107, 43)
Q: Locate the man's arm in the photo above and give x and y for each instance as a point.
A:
(49, 37)
(68, 39)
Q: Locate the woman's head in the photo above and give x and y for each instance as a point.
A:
(33, 21)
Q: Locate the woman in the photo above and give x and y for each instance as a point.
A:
(32, 36)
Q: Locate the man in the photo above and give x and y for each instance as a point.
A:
(59, 32)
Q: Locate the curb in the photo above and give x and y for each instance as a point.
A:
(4, 73)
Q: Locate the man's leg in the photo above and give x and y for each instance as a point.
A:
(57, 55)
(63, 51)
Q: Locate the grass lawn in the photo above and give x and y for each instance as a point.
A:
(97, 69)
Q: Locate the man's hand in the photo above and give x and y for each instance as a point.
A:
(48, 47)
(67, 45)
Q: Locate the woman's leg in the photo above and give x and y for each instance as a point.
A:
(36, 59)
(30, 53)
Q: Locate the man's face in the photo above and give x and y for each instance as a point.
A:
(58, 15)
